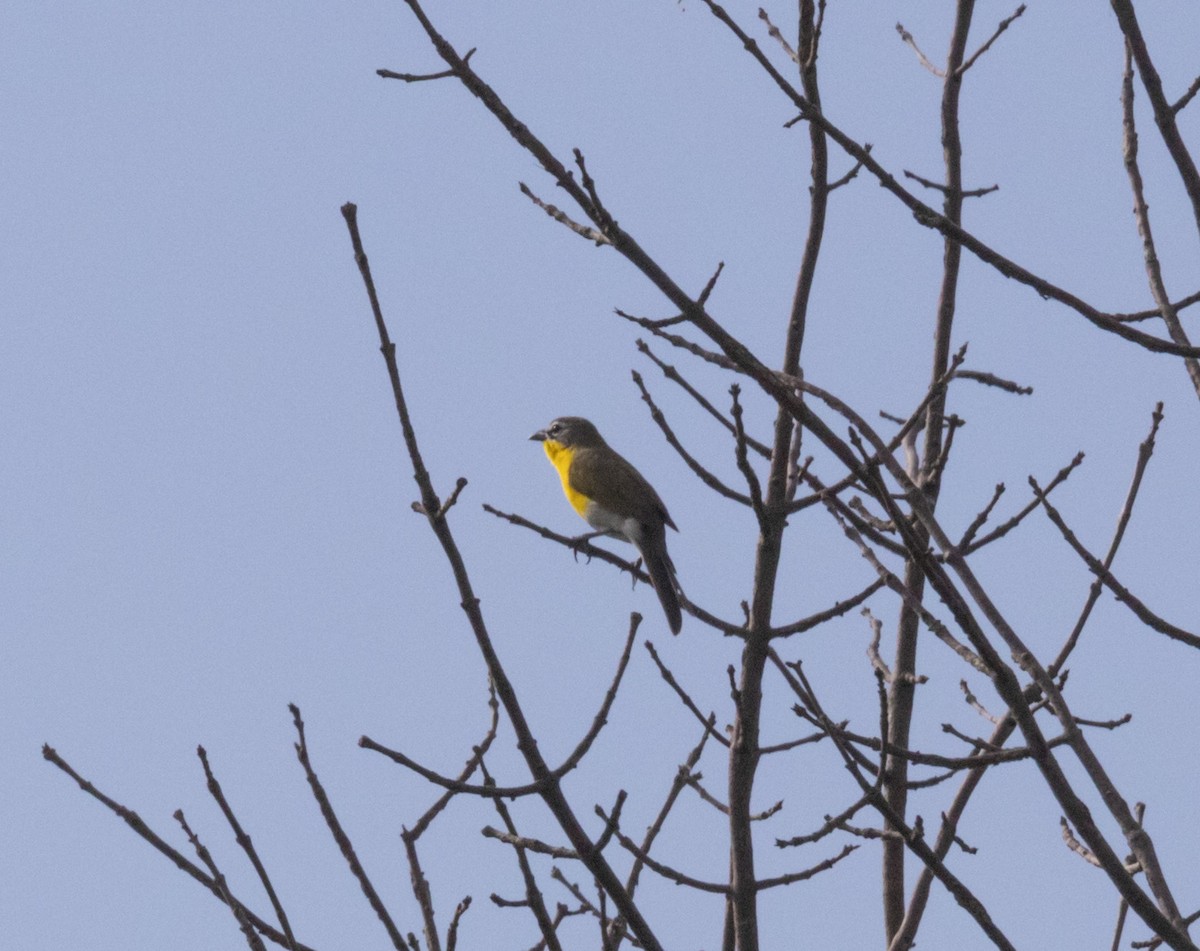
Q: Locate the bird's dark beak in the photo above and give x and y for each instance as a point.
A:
(539, 436)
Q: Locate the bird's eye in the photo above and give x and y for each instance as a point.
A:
(555, 428)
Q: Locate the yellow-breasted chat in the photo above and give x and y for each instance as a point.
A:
(615, 499)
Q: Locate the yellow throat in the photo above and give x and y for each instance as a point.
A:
(560, 457)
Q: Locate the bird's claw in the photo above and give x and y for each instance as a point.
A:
(578, 543)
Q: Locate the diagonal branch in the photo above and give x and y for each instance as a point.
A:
(138, 825)
(1123, 594)
(549, 789)
(929, 218)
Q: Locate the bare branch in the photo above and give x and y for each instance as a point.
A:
(1141, 213)
(243, 839)
(1004, 25)
(672, 374)
(908, 38)
(423, 77)
(990, 379)
(563, 218)
(1145, 451)
(1187, 97)
(136, 823)
(773, 32)
(928, 217)
(339, 834)
(548, 784)
(945, 189)
(253, 941)
(808, 873)
(1123, 594)
(672, 875)
(702, 473)
(1164, 114)
(1007, 526)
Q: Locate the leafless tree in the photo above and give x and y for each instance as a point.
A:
(881, 485)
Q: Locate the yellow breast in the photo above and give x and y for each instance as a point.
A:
(560, 457)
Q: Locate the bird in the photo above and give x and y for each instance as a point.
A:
(614, 499)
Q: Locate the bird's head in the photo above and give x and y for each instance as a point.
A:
(569, 432)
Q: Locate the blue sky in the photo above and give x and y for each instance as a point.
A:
(207, 502)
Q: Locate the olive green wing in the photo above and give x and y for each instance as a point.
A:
(611, 481)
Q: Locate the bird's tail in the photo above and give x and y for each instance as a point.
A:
(662, 576)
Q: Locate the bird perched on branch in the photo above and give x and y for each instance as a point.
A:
(615, 499)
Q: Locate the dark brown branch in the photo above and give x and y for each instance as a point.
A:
(1004, 25)
(491, 791)
(693, 780)
(247, 846)
(929, 218)
(850, 175)
(1123, 906)
(1141, 213)
(701, 473)
(1145, 451)
(446, 782)
(672, 374)
(915, 422)
(591, 551)
(1123, 594)
(1187, 97)
(452, 931)
(794, 674)
(829, 496)
(1182, 304)
(990, 379)
(1007, 526)
(409, 837)
(339, 834)
(253, 941)
(743, 462)
(681, 343)
(1164, 115)
(670, 874)
(477, 754)
(909, 597)
(712, 283)
(808, 873)
(135, 822)
(836, 610)
(831, 824)
(617, 929)
(548, 783)
(1005, 679)
(423, 77)
(533, 894)
(684, 696)
(945, 189)
(981, 519)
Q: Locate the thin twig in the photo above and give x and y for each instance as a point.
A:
(1123, 594)
(1004, 25)
(339, 834)
(138, 825)
(244, 924)
(1145, 451)
(247, 845)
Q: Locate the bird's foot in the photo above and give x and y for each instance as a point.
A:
(580, 541)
